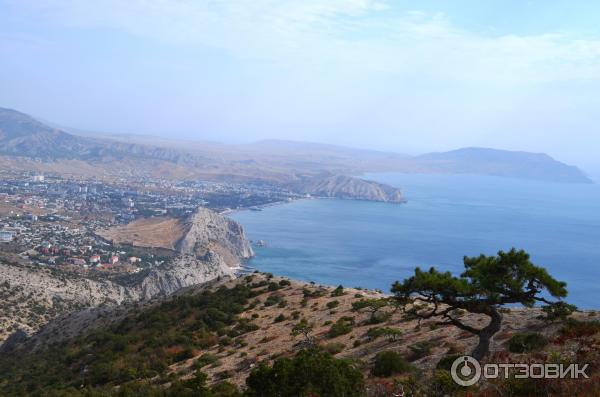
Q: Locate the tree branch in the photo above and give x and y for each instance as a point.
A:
(452, 321)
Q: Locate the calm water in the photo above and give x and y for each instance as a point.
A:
(371, 245)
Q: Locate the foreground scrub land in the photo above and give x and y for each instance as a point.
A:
(227, 334)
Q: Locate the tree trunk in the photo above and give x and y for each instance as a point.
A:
(486, 334)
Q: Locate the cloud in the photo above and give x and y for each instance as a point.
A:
(359, 36)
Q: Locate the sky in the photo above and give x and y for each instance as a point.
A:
(405, 76)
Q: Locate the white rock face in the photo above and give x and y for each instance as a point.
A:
(209, 231)
(186, 270)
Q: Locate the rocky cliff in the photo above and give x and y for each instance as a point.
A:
(209, 231)
(348, 187)
(184, 271)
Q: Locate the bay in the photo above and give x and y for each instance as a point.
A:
(369, 244)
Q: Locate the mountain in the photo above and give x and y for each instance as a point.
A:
(270, 161)
(230, 330)
(21, 135)
(347, 187)
(505, 163)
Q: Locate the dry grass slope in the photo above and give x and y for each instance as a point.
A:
(158, 232)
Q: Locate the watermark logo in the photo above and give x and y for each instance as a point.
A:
(466, 371)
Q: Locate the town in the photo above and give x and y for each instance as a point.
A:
(48, 220)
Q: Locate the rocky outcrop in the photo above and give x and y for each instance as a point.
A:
(208, 231)
(348, 187)
(184, 271)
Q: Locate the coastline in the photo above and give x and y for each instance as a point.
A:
(263, 206)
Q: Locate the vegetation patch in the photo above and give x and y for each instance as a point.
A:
(525, 343)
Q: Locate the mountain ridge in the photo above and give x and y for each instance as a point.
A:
(271, 160)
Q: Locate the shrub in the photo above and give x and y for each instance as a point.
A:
(339, 291)
(557, 312)
(311, 372)
(273, 300)
(446, 362)
(225, 389)
(284, 283)
(388, 363)
(578, 329)
(374, 333)
(420, 349)
(340, 327)
(334, 348)
(524, 343)
(183, 355)
(443, 385)
(280, 318)
(333, 304)
(205, 359)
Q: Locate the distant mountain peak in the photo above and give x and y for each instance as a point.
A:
(496, 162)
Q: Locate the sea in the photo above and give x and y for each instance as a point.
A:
(369, 244)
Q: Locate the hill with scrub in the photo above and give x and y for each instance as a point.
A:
(241, 336)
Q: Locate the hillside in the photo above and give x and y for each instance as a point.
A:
(147, 232)
(227, 329)
(206, 249)
(346, 187)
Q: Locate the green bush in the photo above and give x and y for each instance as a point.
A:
(280, 318)
(420, 349)
(273, 300)
(333, 304)
(443, 385)
(578, 329)
(284, 283)
(557, 312)
(446, 362)
(339, 291)
(205, 359)
(388, 363)
(311, 372)
(340, 327)
(392, 334)
(524, 343)
(334, 348)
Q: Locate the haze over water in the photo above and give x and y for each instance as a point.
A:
(370, 244)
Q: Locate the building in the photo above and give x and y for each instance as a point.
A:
(31, 217)
(6, 236)
(79, 262)
(94, 258)
(113, 259)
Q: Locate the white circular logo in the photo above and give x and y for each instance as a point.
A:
(465, 371)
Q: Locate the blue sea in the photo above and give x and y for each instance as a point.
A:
(369, 244)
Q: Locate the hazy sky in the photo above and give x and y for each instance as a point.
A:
(409, 76)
